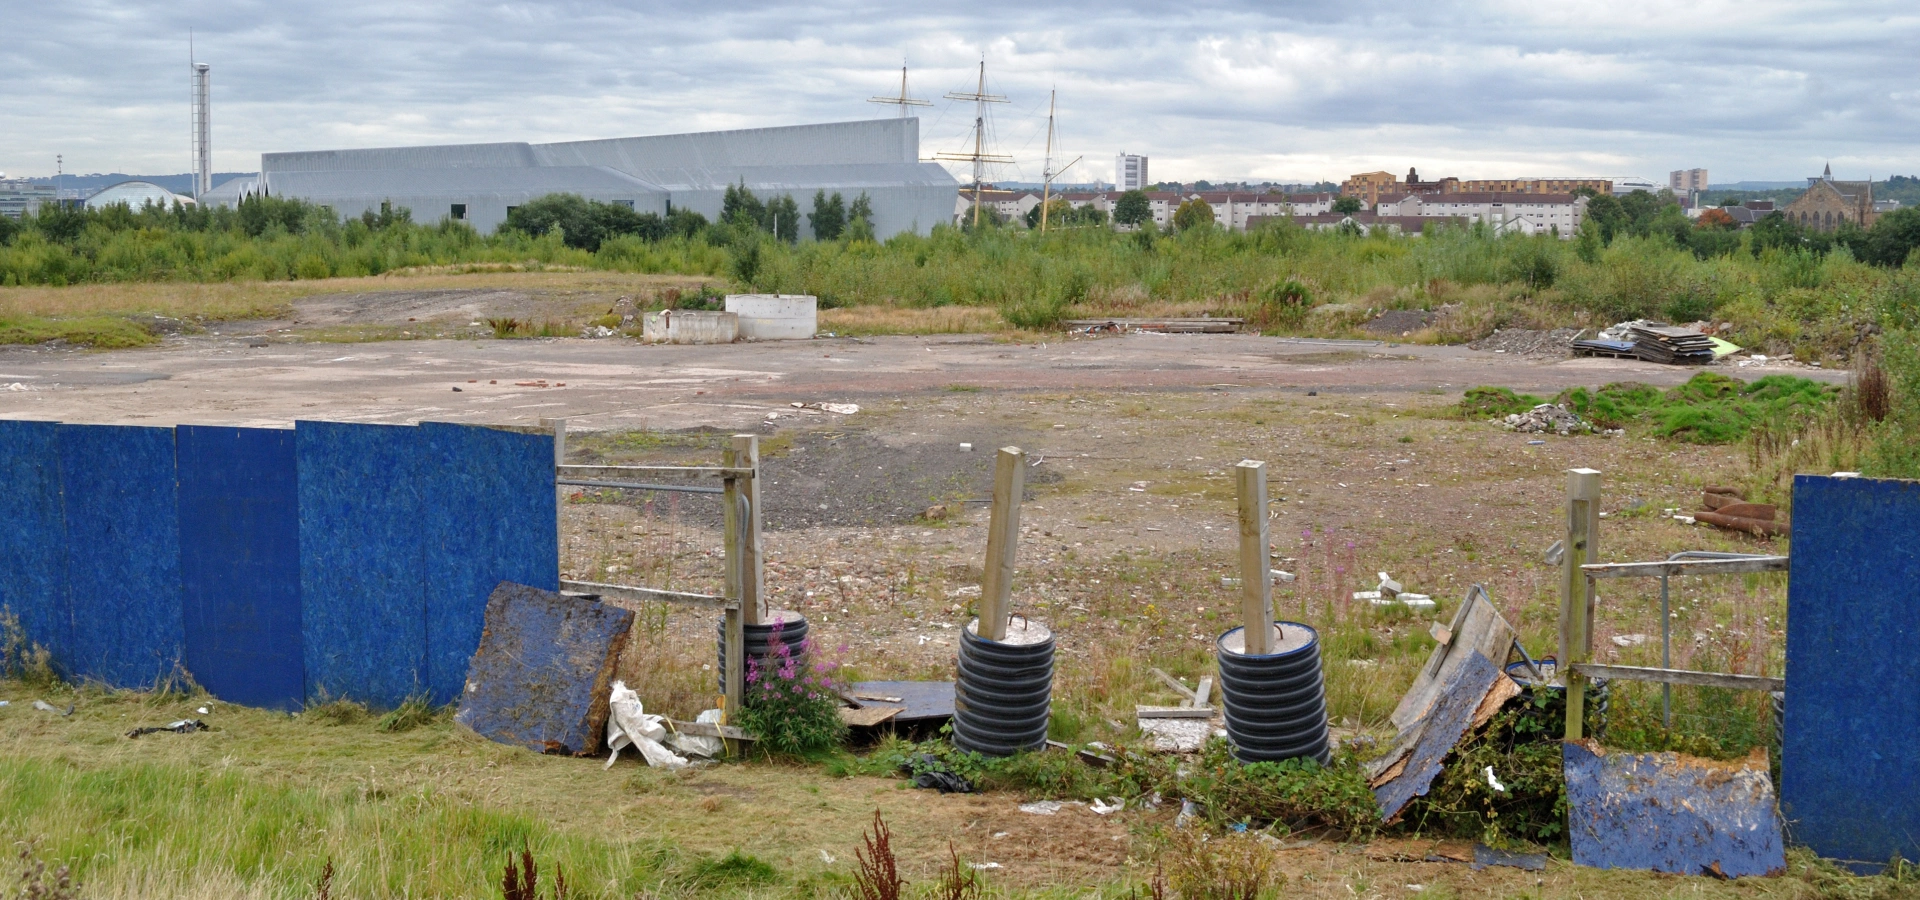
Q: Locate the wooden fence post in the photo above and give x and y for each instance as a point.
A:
(1577, 591)
(1256, 585)
(744, 453)
(1003, 542)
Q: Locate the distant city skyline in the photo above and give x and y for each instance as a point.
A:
(1754, 91)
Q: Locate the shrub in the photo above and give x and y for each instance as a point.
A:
(20, 657)
(1494, 402)
(794, 710)
(1202, 866)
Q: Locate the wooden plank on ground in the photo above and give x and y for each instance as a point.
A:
(703, 729)
(1682, 676)
(869, 716)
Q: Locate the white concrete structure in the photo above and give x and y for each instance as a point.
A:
(1130, 173)
(775, 317)
(687, 326)
(1627, 184)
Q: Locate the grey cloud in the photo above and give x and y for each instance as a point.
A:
(1295, 90)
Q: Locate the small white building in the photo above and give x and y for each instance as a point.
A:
(1520, 213)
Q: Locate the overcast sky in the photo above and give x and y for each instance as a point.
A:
(1755, 89)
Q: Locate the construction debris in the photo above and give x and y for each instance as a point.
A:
(1484, 856)
(1409, 769)
(1203, 325)
(543, 674)
(1548, 418)
(1667, 812)
(1654, 342)
(1726, 508)
(184, 726)
(630, 724)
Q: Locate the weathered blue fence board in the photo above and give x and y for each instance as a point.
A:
(123, 552)
(490, 517)
(362, 582)
(240, 564)
(1665, 812)
(1850, 767)
(543, 671)
(33, 563)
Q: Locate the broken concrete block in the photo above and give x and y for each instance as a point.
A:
(544, 670)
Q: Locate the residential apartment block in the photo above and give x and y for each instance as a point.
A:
(1686, 182)
(1130, 172)
(1371, 187)
(1507, 212)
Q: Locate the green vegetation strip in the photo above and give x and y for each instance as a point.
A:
(99, 332)
(1710, 408)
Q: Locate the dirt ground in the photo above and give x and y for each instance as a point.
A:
(1128, 537)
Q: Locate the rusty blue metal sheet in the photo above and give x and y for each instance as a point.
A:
(1445, 724)
(920, 701)
(1666, 812)
(1849, 762)
(543, 671)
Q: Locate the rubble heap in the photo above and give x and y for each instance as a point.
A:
(1548, 418)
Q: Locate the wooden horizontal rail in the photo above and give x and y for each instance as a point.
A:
(640, 486)
(629, 592)
(1686, 567)
(681, 471)
(1682, 676)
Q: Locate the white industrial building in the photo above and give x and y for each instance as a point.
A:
(1559, 214)
(479, 183)
(136, 194)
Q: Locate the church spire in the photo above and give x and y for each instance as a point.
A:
(1828, 174)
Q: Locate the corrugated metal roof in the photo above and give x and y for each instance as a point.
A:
(791, 178)
(872, 141)
(590, 181)
(481, 156)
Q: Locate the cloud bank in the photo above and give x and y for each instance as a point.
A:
(1290, 91)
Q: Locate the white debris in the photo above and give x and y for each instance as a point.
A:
(1110, 805)
(827, 858)
(1041, 807)
(985, 866)
(1547, 418)
(1629, 640)
(1493, 782)
(628, 723)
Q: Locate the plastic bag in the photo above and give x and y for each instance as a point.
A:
(630, 724)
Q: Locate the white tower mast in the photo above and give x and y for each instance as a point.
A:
(202, 126)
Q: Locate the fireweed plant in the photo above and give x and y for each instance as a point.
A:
(792, 701)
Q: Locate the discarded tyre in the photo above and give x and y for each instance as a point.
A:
(1276, 703)
(1003, 689)
(759, 641)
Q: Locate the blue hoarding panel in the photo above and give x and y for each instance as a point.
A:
(123, 552)
(1850, 767)
(1666, 812)
(489, 517)
(362, 584)
(33, 561)
(240, 564)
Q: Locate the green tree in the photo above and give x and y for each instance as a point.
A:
(1893, 238)
(783, 218)
(860, 219)
(1133, 208)
(684, 222)
(1195, 213)
(829, 217)
(584, 224)
(1347, 206)
(739, 207)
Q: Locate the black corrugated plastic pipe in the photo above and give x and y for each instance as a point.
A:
(1276, 704)
(1003, 690)
(759, 639)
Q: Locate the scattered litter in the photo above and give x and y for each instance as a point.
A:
(966, 447)
(844, 409)
(597, 331)
(1111, 805)
(629, 724)
(1536, 443)
(1667, 812)
(1041, 807)
(1555, 554)
(1280, 577)
(1494, 782)
(1484, 856)
(1655, 342)
(700, 745)
(203, 711)
(985, 866)
(44, 706)
(1629, 640)
(5, 703)
(1188, 811)
(17, 386)
(928, 771)
(1000, 834)
(1388, 586)
(827, 858)
(184, 726)
(1176, 735)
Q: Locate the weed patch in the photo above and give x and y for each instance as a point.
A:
(97, 332)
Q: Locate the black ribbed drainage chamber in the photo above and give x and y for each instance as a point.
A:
(1002, 689)
(1276, 703)
(759, 641)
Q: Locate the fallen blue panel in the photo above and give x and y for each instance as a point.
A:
(1850, 764)
(1447, 722)
(543, 671)
(33, 561)
(920, 701)
(123, 553)
(1665, 812)
(362, 584)
(240, 564)
(489, 517)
